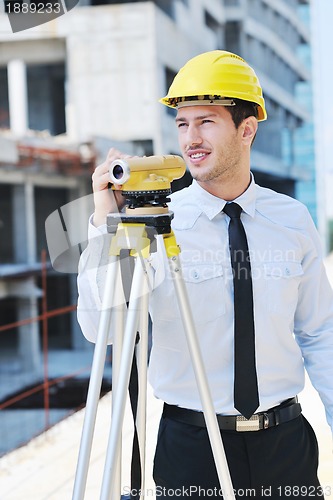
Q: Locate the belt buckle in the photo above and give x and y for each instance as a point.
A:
(243, 424)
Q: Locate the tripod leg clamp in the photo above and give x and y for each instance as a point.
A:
(132, 237)
(170, 243)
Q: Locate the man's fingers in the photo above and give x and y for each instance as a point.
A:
(115, 154)
(101, 177)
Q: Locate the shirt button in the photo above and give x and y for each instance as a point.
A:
(196, 275)
(287, 271)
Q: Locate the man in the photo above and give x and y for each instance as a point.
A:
(255, 343)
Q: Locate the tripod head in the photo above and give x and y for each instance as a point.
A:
(146, 181)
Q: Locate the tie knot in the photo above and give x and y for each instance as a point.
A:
(233, 210)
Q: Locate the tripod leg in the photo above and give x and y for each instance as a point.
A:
(142, 362)
(95, 381)
(118, 315)
(123, 380)
(201, 379)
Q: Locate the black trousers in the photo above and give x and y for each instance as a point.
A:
(280, 462)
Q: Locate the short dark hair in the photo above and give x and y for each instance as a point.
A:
(242, 110)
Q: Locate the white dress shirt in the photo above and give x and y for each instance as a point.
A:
(293, 300)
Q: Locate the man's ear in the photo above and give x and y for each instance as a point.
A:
(250, 127)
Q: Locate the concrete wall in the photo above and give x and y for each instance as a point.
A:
(110, 71)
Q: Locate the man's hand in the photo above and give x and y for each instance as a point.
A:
(105, 199)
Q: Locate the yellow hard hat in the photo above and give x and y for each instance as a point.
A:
(215, 77)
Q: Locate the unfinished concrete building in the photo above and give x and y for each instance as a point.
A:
(91, 79)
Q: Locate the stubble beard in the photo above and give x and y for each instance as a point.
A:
(225, 168)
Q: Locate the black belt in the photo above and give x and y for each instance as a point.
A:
(288, 410)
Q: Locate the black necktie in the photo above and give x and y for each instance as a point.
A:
(246, 399)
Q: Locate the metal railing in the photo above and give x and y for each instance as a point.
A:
(43, 386)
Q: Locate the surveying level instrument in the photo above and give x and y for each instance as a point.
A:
(146, 217)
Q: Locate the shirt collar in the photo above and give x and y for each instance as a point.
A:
(212, 205)
(247, 200)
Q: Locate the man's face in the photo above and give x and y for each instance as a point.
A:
(210, 142)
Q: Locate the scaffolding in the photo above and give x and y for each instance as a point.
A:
(42, 349)
(30, 395)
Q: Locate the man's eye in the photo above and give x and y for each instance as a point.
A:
(207, 121)
(181, 124)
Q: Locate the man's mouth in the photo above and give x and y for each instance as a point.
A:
(197, 156)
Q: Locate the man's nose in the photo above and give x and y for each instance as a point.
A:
(193, 136)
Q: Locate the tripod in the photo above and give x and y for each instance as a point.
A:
(137, 233)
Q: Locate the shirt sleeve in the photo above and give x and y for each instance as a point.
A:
(93, 268)
(90, 281)
(314, 322)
